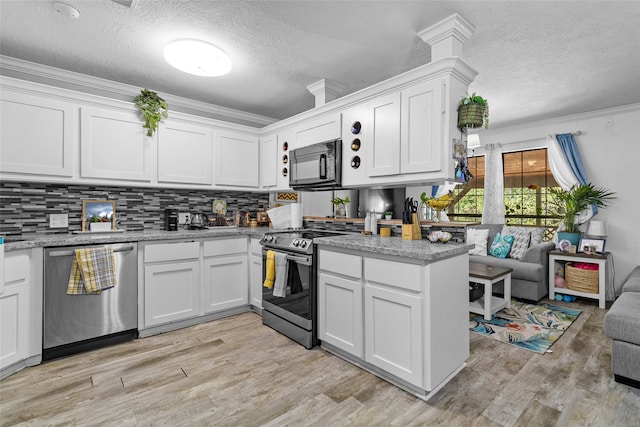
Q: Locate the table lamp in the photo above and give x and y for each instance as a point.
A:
(597, 229)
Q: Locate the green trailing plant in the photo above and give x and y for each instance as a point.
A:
(576, 199)
(473, 111)
(153, 109)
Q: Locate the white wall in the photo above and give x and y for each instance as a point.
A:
(610, 149)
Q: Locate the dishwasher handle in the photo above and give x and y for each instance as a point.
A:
(73, 253)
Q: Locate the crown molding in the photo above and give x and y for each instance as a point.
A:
(31, 71)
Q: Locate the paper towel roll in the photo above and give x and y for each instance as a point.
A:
(296, 215)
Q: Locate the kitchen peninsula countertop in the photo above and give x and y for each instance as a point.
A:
(89, 238)
(422, 250)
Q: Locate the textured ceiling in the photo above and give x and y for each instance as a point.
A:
(535, 59)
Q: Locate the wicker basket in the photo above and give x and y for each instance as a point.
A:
(471, 116)
(581, 280)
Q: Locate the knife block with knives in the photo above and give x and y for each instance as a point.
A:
(410, 221)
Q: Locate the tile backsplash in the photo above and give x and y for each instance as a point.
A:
(25, 207)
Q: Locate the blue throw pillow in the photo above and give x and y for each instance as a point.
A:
(501, 245)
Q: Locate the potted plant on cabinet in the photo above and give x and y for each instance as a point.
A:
(473, 112)
(575, 200)
(153, 109)
(340, 208)
(388, 215)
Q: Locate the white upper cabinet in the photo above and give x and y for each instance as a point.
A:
(185, 153)
(383, 154)
(36, 135)
(236, 159)
(113, 145)
(318, 129)
(421, 125)
(269, 161)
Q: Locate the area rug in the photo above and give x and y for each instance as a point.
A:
(528, 326)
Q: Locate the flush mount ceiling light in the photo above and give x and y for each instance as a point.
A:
(66, 10)
(197, 57)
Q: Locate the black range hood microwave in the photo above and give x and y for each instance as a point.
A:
(317, 166)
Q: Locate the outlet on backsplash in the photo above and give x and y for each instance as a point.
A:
(183, 218)
(58, 220)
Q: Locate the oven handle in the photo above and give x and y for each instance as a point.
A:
(301, 260)
(73, 253)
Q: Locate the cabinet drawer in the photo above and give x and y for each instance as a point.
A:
(171, 251)
(225, 246)
(392, 273)
(341, 263)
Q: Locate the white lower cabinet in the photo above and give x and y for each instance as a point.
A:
(340, 321)
(405, 321)
(184, 281)
(171, 282)
(255, 286)
(21, 311)
(340, 316)
(226, 282)
(393, 331)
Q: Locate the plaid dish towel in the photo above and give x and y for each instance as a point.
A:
(93, 270)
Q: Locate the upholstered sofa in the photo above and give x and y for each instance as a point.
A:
(622, 325)
(530, 276)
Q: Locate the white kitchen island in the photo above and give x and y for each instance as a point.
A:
(397, 308)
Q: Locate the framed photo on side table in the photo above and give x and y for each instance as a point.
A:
(591, 246)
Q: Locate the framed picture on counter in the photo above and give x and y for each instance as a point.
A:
(98, 215)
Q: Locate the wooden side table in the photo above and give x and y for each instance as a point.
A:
(487, 275)
(600, 259)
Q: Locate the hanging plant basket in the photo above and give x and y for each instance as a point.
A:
(471, 116)
(153, 109)
(473, 112)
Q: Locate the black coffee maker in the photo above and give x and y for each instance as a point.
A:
(171, 219)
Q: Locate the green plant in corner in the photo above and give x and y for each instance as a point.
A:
(473, 112)
(576, 199)
(153, 109)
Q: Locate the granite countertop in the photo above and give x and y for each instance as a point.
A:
(415, 249)
(88, 238)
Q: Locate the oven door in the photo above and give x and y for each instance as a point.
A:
(297, 304)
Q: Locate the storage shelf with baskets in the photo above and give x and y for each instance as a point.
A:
(579, 282)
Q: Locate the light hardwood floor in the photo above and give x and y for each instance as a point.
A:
(237, 372)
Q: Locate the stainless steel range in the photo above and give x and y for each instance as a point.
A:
(293, 314)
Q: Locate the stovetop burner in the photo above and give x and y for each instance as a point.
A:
(295, 240)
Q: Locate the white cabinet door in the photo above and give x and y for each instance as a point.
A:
(236, 159)
(225, 282)
(340, 313)
(255, 292)
(36, 135)
(393, 332)
(15, 309)
(421, 144)
(318, 129)
(383, 150)
(269, 161)
(255, 286)
(185, 153)
(113, 145)
(171, 292)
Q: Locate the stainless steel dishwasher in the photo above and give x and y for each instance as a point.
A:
(76, 323)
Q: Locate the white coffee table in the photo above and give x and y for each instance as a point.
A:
(486, 275)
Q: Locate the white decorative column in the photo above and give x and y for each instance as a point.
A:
(447, 37)
(325, 91)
